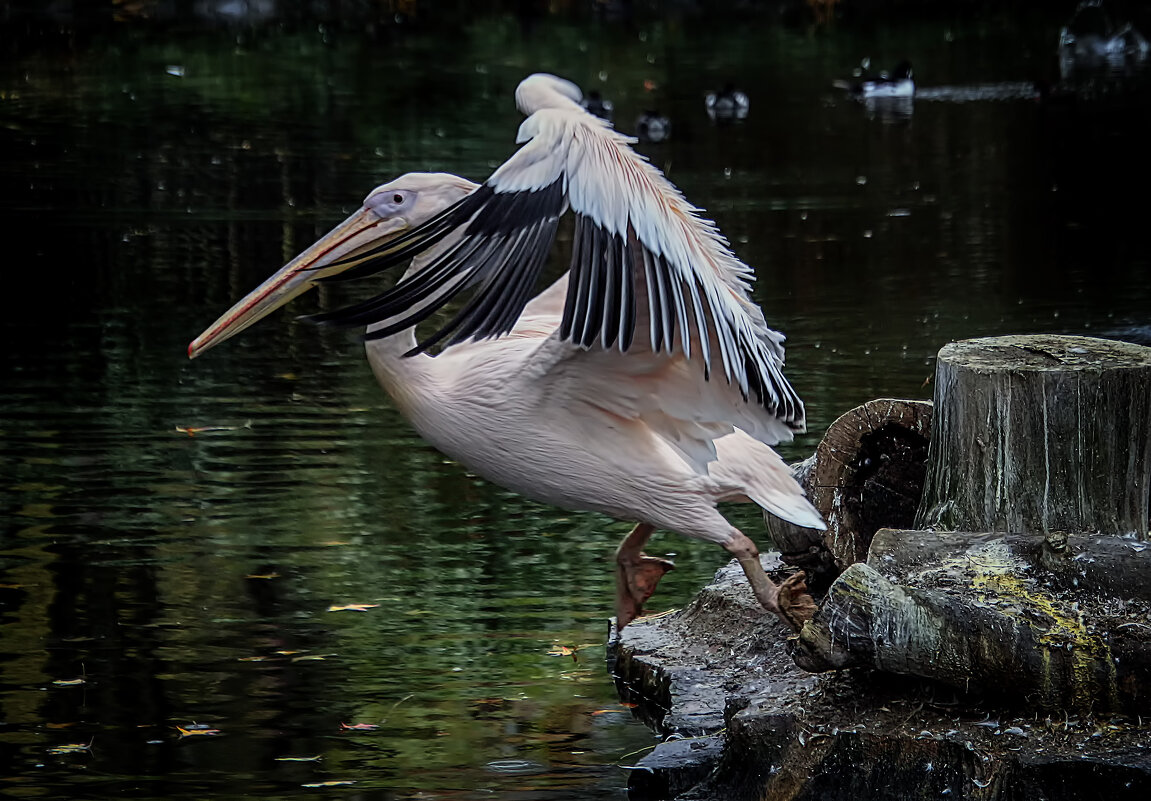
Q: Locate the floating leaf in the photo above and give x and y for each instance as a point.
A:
(198, 730)
(359, 726)
(344, 783)
(563, 650)
(352, 607)
(315, 758)
(192, 431)
(72, 748)
(70, 682)
(265, 576)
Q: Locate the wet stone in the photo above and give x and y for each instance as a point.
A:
(675, 766)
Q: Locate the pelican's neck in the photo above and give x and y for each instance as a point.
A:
(409, 380)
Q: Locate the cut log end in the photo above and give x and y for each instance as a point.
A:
(1045, 353)
(866, 474)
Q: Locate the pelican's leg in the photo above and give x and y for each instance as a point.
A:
(789, 600)
(636, 574)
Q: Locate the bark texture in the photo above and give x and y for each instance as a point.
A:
(1040, 433)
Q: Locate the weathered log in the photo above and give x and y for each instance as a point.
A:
(866, 474)
(1107, 567)
(1020, 617)
(1040, 433)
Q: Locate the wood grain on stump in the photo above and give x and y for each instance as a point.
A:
(1040, 433)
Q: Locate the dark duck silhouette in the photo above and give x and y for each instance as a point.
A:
(727, 104)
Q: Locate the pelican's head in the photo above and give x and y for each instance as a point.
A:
(388, 211)
(542, 90)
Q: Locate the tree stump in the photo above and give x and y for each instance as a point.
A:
(866, 473)
(1040, 433)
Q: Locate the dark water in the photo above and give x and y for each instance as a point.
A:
(157, 166)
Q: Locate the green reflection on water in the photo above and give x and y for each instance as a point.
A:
(159, 175)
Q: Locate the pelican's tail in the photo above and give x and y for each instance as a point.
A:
(752, 470)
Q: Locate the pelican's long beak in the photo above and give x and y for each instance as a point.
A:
(355, 234)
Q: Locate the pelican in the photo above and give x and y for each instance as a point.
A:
(643, 384)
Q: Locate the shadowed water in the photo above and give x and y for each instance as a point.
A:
(245, 575)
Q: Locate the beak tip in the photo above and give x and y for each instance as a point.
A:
(193, 351)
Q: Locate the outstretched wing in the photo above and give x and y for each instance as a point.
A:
(633, 230)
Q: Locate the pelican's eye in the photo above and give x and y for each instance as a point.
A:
(391, 202)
